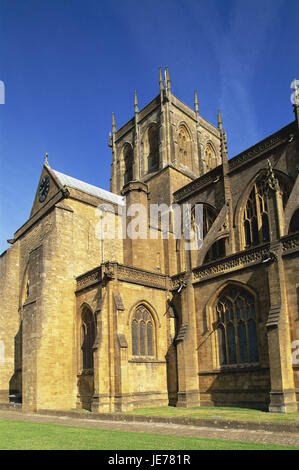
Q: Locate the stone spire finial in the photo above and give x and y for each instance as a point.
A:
(168, 83)
(136, 102)
(46, 159)
(161, 83)
(195, 101)
(219, 121)
(225, 140)
(295, 100)
(110, 140)
(113, 124)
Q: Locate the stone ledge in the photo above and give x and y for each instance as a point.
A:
(200, 422)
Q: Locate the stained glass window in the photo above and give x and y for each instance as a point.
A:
(255, 214)
(237, 327)
(142, 332)
(184, 146)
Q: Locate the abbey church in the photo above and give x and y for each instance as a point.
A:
(112, 323)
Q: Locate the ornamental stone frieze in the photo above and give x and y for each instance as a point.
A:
(265, 145)
(109, 271)
(232, 263)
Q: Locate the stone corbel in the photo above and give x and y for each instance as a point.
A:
(65, 192)
(108, 273)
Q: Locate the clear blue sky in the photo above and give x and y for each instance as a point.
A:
(67, 64)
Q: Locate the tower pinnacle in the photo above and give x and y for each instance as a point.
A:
(113, 124)
(136, 102)
(195, 101)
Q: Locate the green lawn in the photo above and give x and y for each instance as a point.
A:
(24, 435)
(241, 414)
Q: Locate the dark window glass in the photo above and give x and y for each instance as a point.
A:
(135, 338)
(150, 351)
(242, 342)
(294, 224)
(88, 338)
(237, 327)
(255, 231)
(252, 334)
(255, 215)
(247, 232)
(231, 344)
(222, 346)
(128, 160)
(142, 338)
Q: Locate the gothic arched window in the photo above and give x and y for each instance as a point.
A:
(255, 214)
(210, 157)
(143, 335)
(128, 161)
(87, 338)
(237, 327)
(184, 146)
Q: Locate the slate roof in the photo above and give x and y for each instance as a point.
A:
(89, 188)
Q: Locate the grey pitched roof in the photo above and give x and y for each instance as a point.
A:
(89, 188)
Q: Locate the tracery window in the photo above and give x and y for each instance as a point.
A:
(210, 157)
(142, 332)
(255, 214)
(87, 338)
(128, 160)
(237, 327)
(184, 146)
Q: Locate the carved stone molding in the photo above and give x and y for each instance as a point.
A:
(90, 278)
(140, 276)
(265, 145)
(177, 281)
(113, 270)
(290, 243)
(233, 262)
(196, 185)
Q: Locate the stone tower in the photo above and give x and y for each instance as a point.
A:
(165, 137)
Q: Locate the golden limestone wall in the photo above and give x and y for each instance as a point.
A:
(73, 249)
(252, 384)
(87, 236)
(183, 116)
(292, 287)
(41, 268)
(146, 380)
(9, 320)
(122, 380)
